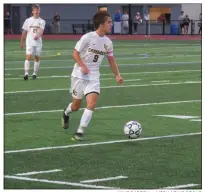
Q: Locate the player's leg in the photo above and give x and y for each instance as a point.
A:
(77, 88)
(127, 29)
(181, 28)
(91, 101)
(29, 52)
(36, 61)
(73, 106)
(91, 93)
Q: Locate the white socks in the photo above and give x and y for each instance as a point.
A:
(68, 109)
(36, 67)
(85, 120)
(26, 66)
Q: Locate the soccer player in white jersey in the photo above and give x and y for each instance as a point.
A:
(85, 81)
(33, 29)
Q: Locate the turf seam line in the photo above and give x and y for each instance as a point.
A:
(107, 107)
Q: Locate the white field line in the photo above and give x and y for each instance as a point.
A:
(132, 80)
(134, 54)
(104, 179)
(117, 47)
(120, 44)
(120, 65)
(138, 52)
(107, 74)
(181, 186)
(196, 120)
(99, 143)
(163, 81)
(105, 87)
(139, 56)
(156, 50)
(38, 172)
(51, 77)
(107, 107)
(179, 46)
(56, 182)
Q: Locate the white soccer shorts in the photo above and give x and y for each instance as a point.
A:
(80, 87)
(33, 50)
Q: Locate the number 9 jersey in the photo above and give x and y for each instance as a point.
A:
(92, 49)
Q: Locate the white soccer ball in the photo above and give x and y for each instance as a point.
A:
(132, 129)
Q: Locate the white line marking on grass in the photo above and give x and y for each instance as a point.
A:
(104, 179)
(178, 116)
(138, 56)
(99, 143)
(47, 53)
(163, 81)
(132, 80)
(56, 182)
(190, 81)
(195, 120)
(51, 77)
(107, 74)
(153, 72)
(106, 87)
(38, 172)
(106, 107)
(117, 47)
(181, 186)
(122, 65)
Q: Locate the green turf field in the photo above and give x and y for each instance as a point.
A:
(161, 90)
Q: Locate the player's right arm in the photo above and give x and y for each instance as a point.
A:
(80, 46)
(24, 33)
(76, 57)
(23, 37)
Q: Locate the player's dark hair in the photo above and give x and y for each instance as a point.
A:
(100, 17)
(35, 6)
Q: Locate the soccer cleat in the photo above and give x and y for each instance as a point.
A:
(65, 120)
(77, 137)
(34, 77)
(25, 77)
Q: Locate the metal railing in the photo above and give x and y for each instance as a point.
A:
(152, 27)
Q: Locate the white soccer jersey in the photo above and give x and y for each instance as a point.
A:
(32, 26)
(92, 49)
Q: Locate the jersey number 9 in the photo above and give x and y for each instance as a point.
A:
(95, 58)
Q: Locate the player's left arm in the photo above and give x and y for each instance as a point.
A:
(41, 30)
(113, 65)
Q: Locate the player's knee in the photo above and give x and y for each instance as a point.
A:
(75, 107)
(37, 59)
(91, 105)
(28, 57)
